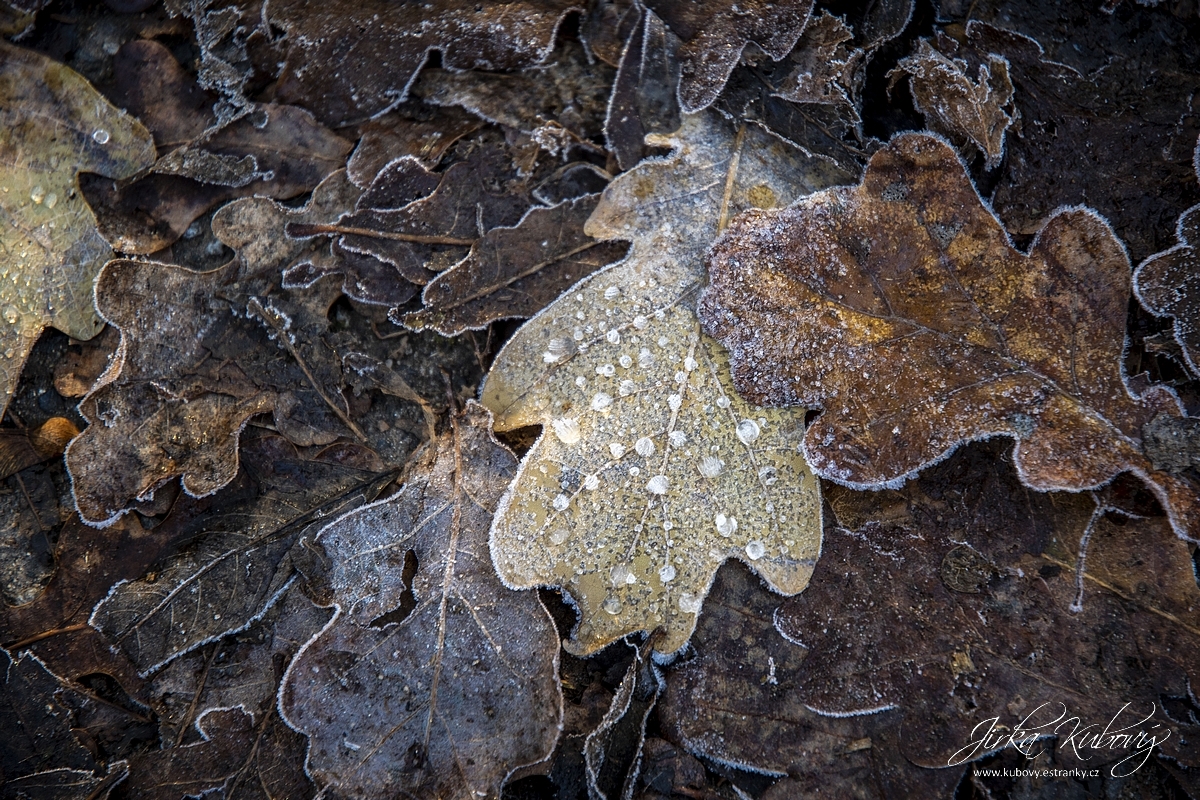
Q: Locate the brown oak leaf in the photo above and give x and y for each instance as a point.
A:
(902, 310)
(434, 680)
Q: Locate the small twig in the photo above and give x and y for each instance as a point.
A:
(37, 637)
(343, 230)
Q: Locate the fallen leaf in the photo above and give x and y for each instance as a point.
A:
(53, 125)
(444, 695)
(216, 348)
(901, 308)
(517, 271)
(1168, 285)
(23, 449)
(960, 603)
(826, 65)
(714, 34)
(348, 62)
(736, 702)
(645, 90)
(613, 750)
(242, 558)
(561, 102)
(650, 472)
(956, 106)
(278, 151)
(414, 129)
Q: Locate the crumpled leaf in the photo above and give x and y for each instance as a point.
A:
(901, 308)
(447, 694)
(953, 599)
(517, 271)
(349, 62)
(613, 750)
(279, 152)
(1072, 143)
(954, 104)
(42, 757)
(1168, 285)
(560, 103)
(414, 129)
(714, 33)
(53, 125)
(826, 65)
(736, 702)
(219, 347)
(649, 472)
(243, 558)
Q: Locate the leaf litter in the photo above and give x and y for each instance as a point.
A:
(504, 179)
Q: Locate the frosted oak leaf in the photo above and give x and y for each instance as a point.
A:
(651, 471)
(901, 308)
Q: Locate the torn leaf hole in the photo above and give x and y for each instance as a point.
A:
(408, 600)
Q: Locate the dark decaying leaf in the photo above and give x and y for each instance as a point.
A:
(41, 757)
(966, 110)
(714, 33)
(202, 353)
(644, 97)
(414, 129)
(613, 751)
(243, 557)
(1098, 132)
(347, 62)
(736, 702)
(1168, 284)
(560, 103)
(279, 151)
(516, 272)
(826, 65)
(446, 694)
(901, 308)
(23, 449)
(957, 599)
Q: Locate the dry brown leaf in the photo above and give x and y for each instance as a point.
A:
(902, 310)
(826, 65)
(414, 129)
(644, 96)
(517, 271)
(53, 125)
(650, 472)
(431, 681)
(956, 106)
(1168, 284)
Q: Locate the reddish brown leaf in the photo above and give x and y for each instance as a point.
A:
(901, 308)
(1168, 284)
(414, 129)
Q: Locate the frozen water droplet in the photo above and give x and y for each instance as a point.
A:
(627, 388)
(658, 485)
(601, 401)
(11, 315)
(681, 377)
(567, 430)
(726, 526)
(690, 363)
(640, 322)
(663, 341)
(675, 402)
(557, 350)
(768, 475)
(559, 535)
(645, 358)
(612, 605)
(644, 447)
(723, 402)
(607, 370)
(591, 483)
(711, 466)
(611, 293)
(51, 200)
(678, 438)
(625, 361)
(38, 194)
(578, 334)
(755, 550)
(613, 336)
(617, 449)
(666, 574)
(581, 381)
(689, 603)
(100, 136)
(747, 431)
(635, 471)
(561, 502)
